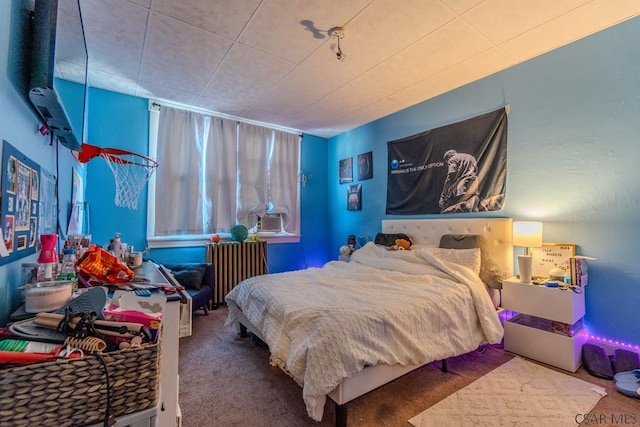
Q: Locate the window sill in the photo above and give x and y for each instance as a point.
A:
(195, 241)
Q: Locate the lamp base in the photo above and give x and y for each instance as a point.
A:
(525, 263)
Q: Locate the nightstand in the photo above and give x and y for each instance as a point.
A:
(546, 325)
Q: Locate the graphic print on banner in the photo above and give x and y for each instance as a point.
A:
(461, 167)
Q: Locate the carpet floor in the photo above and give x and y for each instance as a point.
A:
(226, 381)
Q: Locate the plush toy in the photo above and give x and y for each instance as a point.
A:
(345, 253)
(401, 245)
(345, 250)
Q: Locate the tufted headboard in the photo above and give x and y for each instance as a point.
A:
(497, 232)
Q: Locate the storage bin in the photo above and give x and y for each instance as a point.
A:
(551, 348)
(74, 392)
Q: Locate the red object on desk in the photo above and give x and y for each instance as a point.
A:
(21, 358)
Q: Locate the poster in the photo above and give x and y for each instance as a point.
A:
(456, 168)
(354, 197)
(47, 222)
(346, 170)
(76, 220)
(365, 166)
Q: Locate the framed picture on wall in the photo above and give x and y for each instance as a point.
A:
(354, 197)
(10, 175)
(35, 185)
(21, 242)
(365, 166)
(346, 170)
(23, 197)
(33, 228)
(8, 231)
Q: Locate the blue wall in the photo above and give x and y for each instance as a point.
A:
(121, 121)
(573, 157)
(19, 126)
(573, 125)
(116, 121)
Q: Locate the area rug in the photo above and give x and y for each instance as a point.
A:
(518, 393)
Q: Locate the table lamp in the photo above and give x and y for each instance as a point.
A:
(526, 234)
(48, 254)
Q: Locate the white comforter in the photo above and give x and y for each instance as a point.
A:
(326, 324)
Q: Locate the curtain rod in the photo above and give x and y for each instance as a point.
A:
(155, 106)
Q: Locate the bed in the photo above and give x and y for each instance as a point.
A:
(345, 329)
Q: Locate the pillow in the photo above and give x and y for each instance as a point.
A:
(490, 271)
(389, 239)
(190, 278)
(469, 258)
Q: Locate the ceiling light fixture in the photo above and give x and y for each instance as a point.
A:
(338, 33)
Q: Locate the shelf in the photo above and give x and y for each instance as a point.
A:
(565, 306)
(547, 347)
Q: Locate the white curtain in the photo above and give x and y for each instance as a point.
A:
(215, 173)
(179, 151)
(254, 143)
(283, 177)
(221, 174)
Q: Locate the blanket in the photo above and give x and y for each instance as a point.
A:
(323, 325)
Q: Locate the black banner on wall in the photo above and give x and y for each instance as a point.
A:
(460, 167)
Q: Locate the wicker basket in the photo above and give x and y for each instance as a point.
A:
(73, 392)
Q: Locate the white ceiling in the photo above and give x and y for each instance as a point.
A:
(272, 61)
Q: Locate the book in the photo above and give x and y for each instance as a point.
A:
(579, 270)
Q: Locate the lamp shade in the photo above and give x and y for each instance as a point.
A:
(527, 234)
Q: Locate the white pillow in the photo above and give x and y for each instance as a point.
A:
(469, 258)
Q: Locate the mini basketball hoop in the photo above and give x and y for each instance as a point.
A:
(131, 171)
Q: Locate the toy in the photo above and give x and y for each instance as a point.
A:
(401, 245)
(214, 238)
(345, 253)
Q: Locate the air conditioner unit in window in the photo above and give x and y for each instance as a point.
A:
(270, 222)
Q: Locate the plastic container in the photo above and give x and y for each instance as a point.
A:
(47, 296)
(68, 269)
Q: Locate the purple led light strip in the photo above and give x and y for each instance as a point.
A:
(614, 342)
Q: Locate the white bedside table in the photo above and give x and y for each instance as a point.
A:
(547, 325)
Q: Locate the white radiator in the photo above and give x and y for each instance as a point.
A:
(233, 263)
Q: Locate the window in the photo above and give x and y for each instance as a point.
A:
(215, 173)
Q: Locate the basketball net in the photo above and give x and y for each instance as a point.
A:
(131, 171)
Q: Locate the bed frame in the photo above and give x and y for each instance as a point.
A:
(497, 232)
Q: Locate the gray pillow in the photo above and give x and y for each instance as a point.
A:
(190, 278)
(490, 271)
(389, 239)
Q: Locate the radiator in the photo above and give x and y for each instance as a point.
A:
(235, 262)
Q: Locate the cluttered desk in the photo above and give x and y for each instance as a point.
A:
(93, 354)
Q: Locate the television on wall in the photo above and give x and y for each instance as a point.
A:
(59, 53)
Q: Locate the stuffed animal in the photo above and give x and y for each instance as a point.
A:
(401, 245)
(345, 250)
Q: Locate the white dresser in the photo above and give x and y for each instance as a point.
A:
(546, 324)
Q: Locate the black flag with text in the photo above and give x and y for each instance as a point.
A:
(461, 167)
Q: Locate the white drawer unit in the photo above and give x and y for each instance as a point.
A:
(548, 323)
